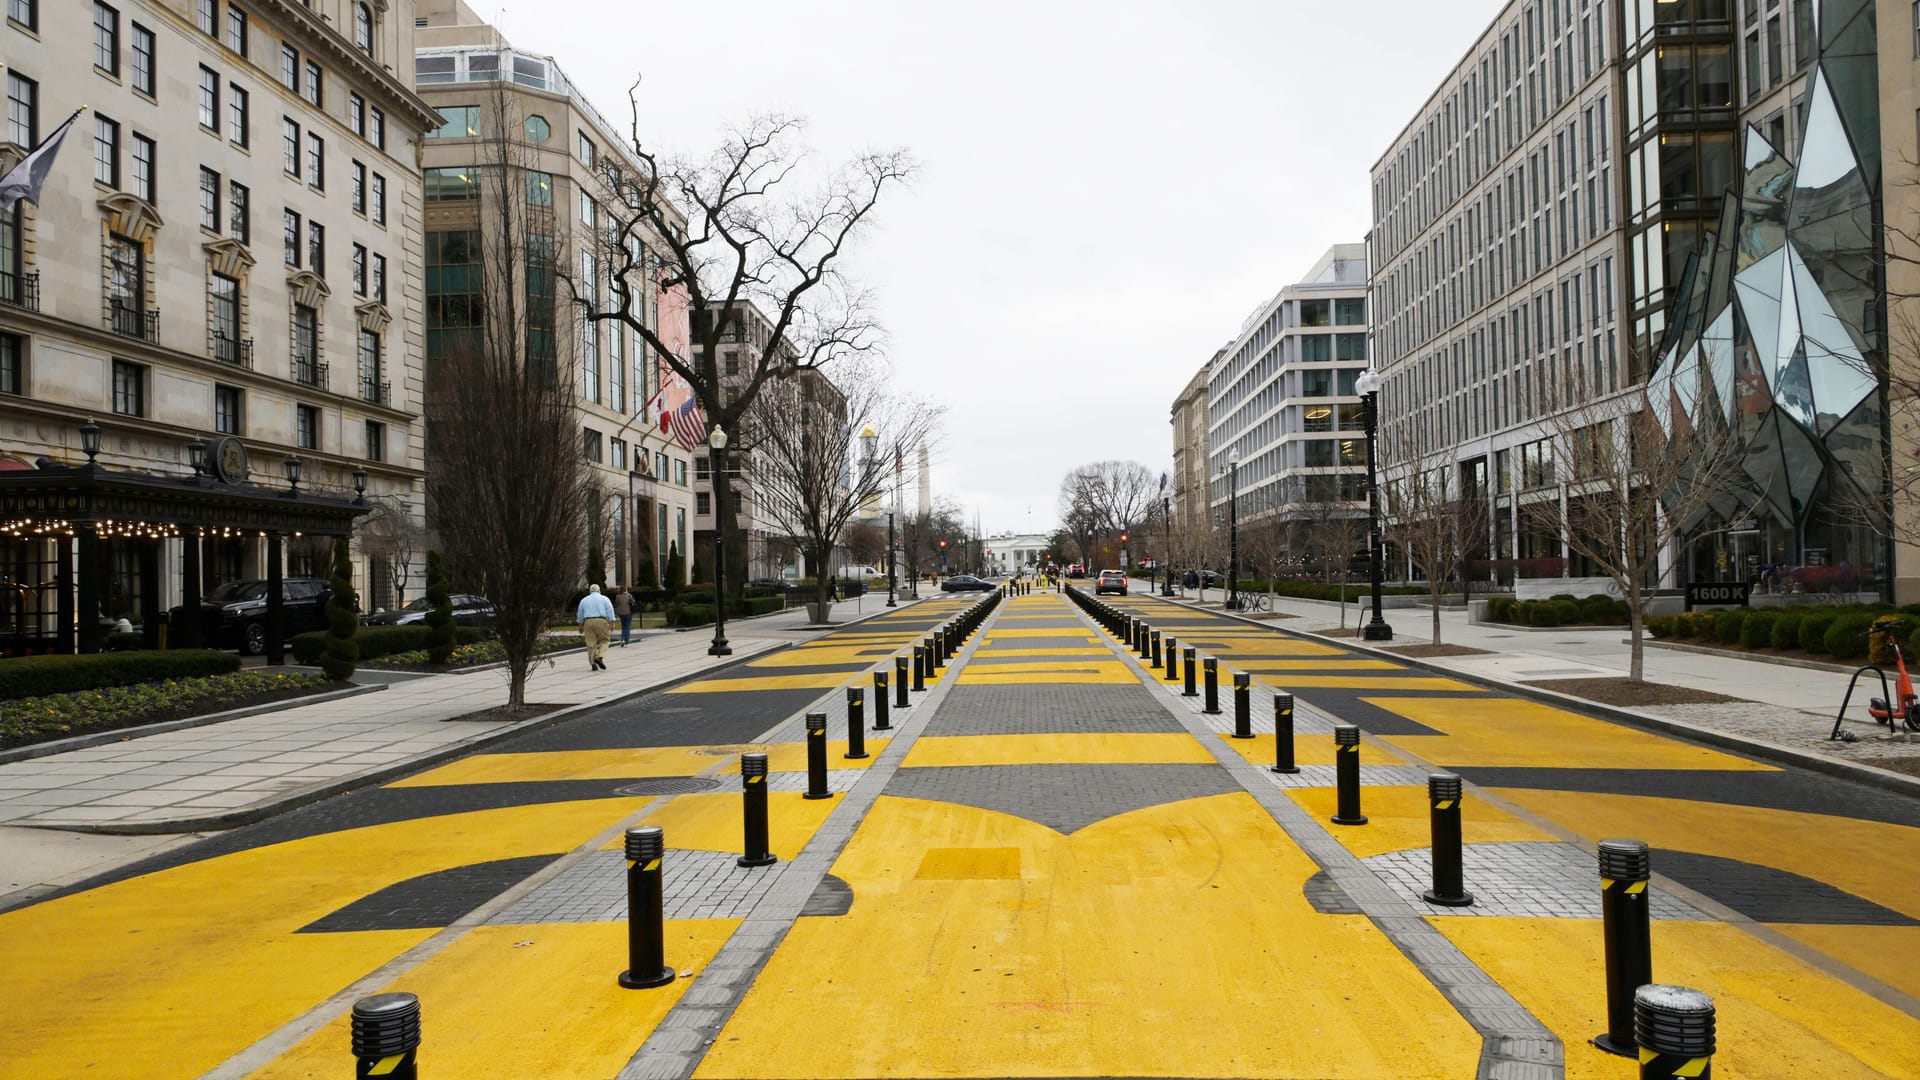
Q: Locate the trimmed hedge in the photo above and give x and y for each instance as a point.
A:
(378, 641)
(1321, 590)
(37, 676)
(702, 614)
(1561, 610)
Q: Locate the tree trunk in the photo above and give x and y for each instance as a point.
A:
(1433, 594)
(1636, 653)
(516, 683)
(1343, 605)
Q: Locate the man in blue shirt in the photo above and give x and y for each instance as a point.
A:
(596, 621)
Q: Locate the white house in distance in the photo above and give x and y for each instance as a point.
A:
(1010, 553)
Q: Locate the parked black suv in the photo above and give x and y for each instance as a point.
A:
(234, 615)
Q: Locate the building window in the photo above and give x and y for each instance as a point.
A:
(702, 503)
(106, 38)
(226, 319)
(23, 110)
(377, 128)
(209, 199)
(457, 122)
(587, 151)
(11, 262)
(617, 453)
(316, 162)
(236, 29)
(143, 167)
(143, 59)
(106, 151)
(680, 471)
(306, 345)
(591, 446)
(457, 184)
(370, 373)
(289, 67)
(379, 199)
(314, 90)
(306, 427)
(376, 441)
(702, 471)
(317, 248)
(13, 364)
(207, 17)
(589, 212)
(129, 388)
(226, 410)
(379, 285)
(359, 190)
(538, 130)
(238, 127)
(359, 270)
(24, 12)
(539, 188)
(209, 99)
(239, 213)
(289, 146)
(363, 28)
(1350, 312)
(290, 227)
(357, 114)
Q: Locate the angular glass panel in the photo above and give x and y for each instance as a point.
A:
(1686, 387)
(1793, 389)
(1805, 466)
(1767, 471)
(1716, 355)
(1758, 289)
(1660, 398)
(1855, 445)
(1763, 199)
(1720, 279)
(1786, 340)
(1826, 157)
(1839, 373)
(1753, 395)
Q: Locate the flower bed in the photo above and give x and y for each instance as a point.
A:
(59, 716)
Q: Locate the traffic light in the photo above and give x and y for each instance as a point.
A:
(1123, 538)
(943, 545)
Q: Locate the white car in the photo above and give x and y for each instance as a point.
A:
(861, 573)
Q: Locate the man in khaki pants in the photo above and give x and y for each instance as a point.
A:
(596, 616)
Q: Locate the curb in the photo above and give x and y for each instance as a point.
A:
(1873, 776)
(99, 738)
(1783, 661)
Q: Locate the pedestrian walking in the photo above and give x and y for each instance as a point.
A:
(596, 620)
(833, 590)
(623, 607)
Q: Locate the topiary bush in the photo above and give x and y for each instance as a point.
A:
(338, 658)
(1756, 630)
(1499, 608)
(374, 642)
(1726, 625)
(1847, 638)
(1543, 613)
(1661, 626)
(37, 676)
(440, 636)
(1813, 629)
(1786, 629)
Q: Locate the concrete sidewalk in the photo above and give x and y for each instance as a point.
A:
(68, 815)
(1783, 706)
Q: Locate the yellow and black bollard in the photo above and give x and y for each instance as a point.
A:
(386, 1036)
(1213, 687)
(919, 668)
(880, 721)
(1156, 648)
(1187, 659)
(1674, 1027)
(1346, 774)
(856, 722)
(900, 683)
(1625, 914)
(1242, 705)
(753, 811)
(1143, 646)
(1173, 658)
(646, 910)
(1283, 734)
(1443, 804)
(817, 756)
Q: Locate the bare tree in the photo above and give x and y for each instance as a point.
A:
(510, 490)
(1082, 513)
(748, 236)
(813, 474)
(1641, 474)
(395, 537)
(1439, 525)
(1336, 529)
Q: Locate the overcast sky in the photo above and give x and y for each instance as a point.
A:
(1105, 189)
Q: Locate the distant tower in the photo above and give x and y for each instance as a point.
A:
(926, 483)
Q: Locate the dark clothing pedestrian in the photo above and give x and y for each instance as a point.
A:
(833, 590)
(623, 607)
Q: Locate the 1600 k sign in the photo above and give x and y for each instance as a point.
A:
(1717, 593)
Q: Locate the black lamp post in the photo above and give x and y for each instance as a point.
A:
(1166, 555)
(718, 440)
(892, 556)
(1233, 530)
(1368, 386)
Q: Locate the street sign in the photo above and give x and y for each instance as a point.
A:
(1718, 594)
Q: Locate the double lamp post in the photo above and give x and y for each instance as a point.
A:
(1368, 387)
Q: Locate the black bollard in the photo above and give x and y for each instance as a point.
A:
(1173, 658)
(1674, 1027)
(1625, 909)
(900, 683)
(817, 756)
(856, 722)
(1144, 645)
(1283, 734)
(646, 910)
(880, 722)
(1155, 647)
(919, 668)
(753, 809)
(1443, 803)
(1188, 661)
(386, 1036)
(1213, 686)
(1346, 752)
(934, 660)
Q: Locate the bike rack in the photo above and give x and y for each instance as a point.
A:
(1893, 708)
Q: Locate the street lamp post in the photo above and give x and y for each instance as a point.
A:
(892, 556)
(1166, 554)
(1368, 386)
(718, 440)
(1233, 530)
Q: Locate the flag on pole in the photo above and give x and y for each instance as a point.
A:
(1163, 483)
(681, 417)
(25, 179)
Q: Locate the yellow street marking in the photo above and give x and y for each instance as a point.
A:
(1328, 666)
(386, 1065)
(1399, 818)
(1042, 631)
(816, 680)
(1506, 732)
(988, 651)
(610, 764)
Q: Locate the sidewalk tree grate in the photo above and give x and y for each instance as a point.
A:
(668, 785)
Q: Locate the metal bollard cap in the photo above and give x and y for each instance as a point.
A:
(1443, 786)
(1282, 702)
(1673, 1020)
(1346, 735)
(816, 722)
(1212, 664)
(753, 765)
(856, 695)
(645, 842)
(1625, 860)
(880, 680)
(1242, 680)
(1189, 651)
(385, 1024)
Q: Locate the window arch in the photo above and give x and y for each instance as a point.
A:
(363, 27)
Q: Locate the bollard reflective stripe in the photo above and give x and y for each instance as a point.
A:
(1625, 923)
(817, 757)
(753, 811)
(1346, 746)
(1674, 1028)
(646, 847)
(1283, 734)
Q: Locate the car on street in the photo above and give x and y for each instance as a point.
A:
(1111, 581)
(234, 615)
(468, 610)
(1076, 570)
(861, 573)
(966, 583)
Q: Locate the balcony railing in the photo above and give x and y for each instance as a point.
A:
(134, 323)
(308, 373)
(20, 290)
(378, 391)
(235, 351)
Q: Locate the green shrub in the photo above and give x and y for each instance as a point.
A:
(440, 631)
(1598, 610)
(1499, 608)
(123, 641)
(1786, 629)
(1567, 609)
(1756, 630)
(58, 716)
(1813, 629)
(1681, 627)
(1847, 638)
(35, 676)
(1660, 626)
(690, 615)
(1726, 625)
(762, 605)
(375, 642)
(1543, 613)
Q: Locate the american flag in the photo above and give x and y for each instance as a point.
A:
(680, 413)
